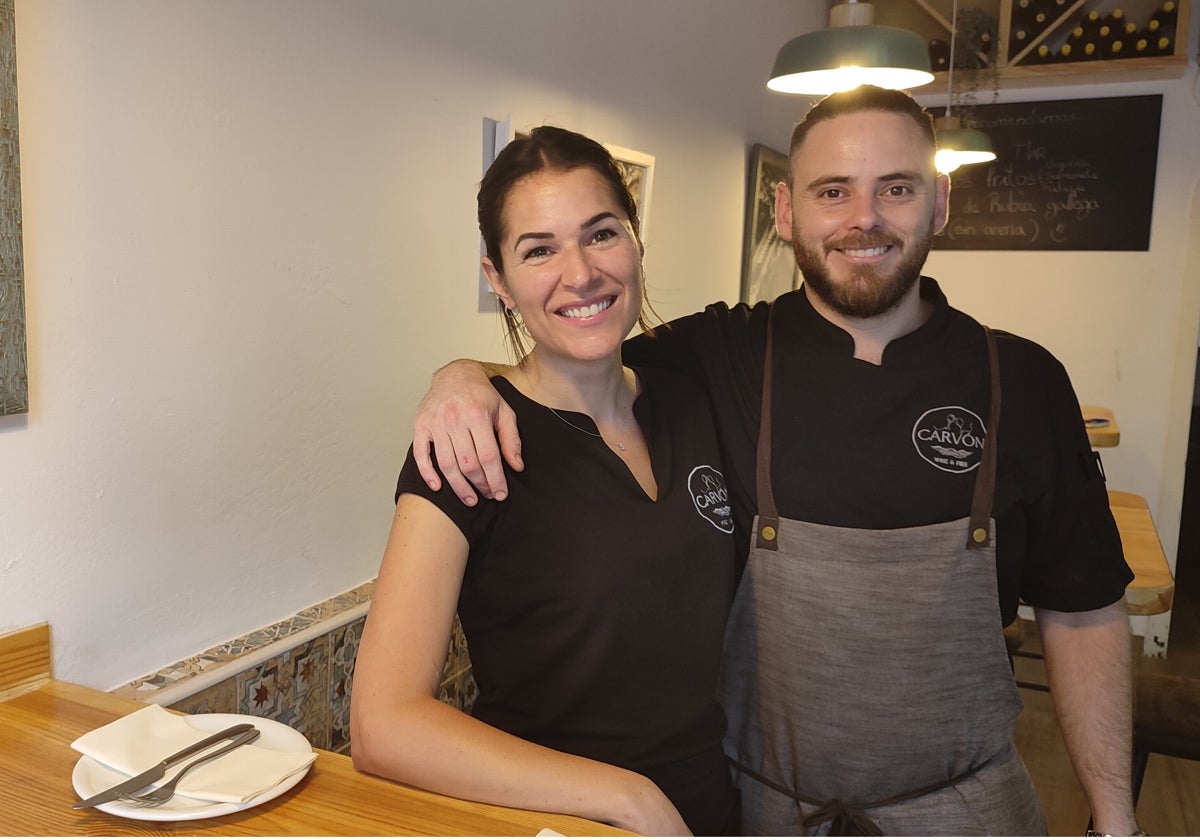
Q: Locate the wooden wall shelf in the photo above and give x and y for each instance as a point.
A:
(1017, 62)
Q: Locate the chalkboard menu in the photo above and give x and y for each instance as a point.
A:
(1073, 175)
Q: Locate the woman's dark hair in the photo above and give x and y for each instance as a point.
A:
(546, 147)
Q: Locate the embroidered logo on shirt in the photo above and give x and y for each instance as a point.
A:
(711, 497)
(951, 438)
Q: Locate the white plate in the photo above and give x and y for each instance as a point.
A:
(90, 777)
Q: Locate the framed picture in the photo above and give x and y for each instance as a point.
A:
(638, 169)
(14, 381)
(768, 265)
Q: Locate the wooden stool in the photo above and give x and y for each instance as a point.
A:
(1166, 720)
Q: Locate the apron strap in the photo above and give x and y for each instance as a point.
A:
(768, 514)
(979, 534)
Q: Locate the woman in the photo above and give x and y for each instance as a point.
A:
(594, 597)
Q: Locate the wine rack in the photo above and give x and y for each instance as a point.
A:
(1049, 42)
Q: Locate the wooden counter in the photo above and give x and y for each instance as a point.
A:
(37, 727)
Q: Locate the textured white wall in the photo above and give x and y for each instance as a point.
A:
(1125, 324)
(250, 237)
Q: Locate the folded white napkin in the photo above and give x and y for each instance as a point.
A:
(143, 738)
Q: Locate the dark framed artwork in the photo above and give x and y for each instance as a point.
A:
(768, 265)
(14, 380)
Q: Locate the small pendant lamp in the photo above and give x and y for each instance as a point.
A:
(851, 52)
(957, 146)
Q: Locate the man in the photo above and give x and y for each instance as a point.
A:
(911, 478)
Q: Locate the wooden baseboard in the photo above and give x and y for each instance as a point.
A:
(24, 660)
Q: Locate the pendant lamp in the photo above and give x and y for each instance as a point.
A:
(957, 146)
(851, 52)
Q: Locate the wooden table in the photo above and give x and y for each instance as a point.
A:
(36, 728)
(1101, 425)
(1153, 588)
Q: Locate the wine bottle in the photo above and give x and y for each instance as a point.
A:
(1166, 15)
(1065, 53)
(1017, 40)
(986, 45)
(939, 55)
(1163, 45)
(1025, 14)
(1114, 48)
(1090, 24)
(1114, 20)
(1042, 54)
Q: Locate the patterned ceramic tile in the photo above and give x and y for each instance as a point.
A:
(307, 687)
(343, 650)
(457, 686)
(220, 699)
(248, 645)
(291, 688)
(310, 692)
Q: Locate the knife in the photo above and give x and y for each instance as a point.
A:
(156, 772)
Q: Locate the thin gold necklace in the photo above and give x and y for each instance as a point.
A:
(620, 443)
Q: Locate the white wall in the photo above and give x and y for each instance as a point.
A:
(1125, 324)
(249, 237)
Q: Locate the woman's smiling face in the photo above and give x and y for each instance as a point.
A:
(572, 264)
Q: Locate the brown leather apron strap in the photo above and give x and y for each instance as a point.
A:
(845, 815)
(980, 533)
(768, 515)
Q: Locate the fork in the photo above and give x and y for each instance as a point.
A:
(159, 795)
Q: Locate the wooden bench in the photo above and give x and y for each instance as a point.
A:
(24, 660)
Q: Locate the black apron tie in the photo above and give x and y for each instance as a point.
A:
(841, 818)
(843, 815)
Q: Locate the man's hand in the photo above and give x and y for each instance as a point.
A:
(462, 416)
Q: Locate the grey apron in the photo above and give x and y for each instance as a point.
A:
(866, 679)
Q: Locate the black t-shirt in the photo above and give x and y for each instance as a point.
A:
(895, 445)
(594, 615)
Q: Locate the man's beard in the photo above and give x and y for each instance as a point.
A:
(866, 293)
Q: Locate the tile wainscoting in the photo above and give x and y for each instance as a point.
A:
(299, 671)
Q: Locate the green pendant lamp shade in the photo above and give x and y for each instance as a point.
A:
(958, 146)
(851, 52)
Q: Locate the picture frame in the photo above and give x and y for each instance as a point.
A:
(14, 377)
(768, 264)
(638, 171)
